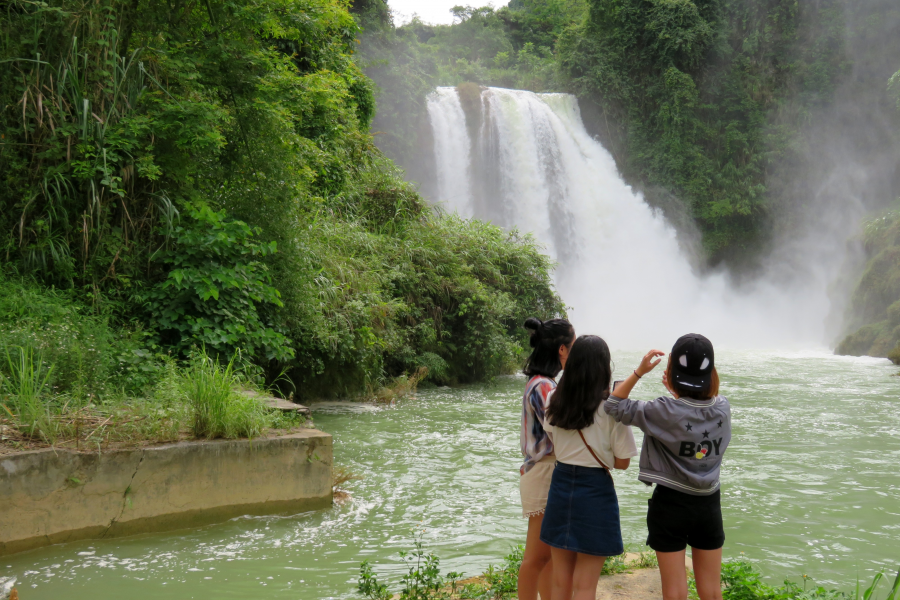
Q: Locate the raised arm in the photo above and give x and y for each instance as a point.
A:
(648, 363)
(631, 412)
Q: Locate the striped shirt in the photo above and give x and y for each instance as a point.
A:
(535, 442)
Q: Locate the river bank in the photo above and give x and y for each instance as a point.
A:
(55, 496)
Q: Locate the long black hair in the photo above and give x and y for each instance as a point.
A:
(546, 338)
(583, 386)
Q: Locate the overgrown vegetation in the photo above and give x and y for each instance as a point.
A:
(179, 176)
(67, 378)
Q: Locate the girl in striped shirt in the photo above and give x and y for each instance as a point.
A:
(551, 341)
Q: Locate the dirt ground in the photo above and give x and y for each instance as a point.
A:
(639, 584)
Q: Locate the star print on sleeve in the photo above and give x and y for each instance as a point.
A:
(688, 427)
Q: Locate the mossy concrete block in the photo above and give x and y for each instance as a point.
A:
(53, 496)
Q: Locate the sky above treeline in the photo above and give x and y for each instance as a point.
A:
(431, 11)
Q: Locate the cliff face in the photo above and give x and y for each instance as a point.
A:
(874, 311)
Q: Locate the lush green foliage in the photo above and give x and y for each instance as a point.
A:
(873, 315)
(685, 94)
(203, 175)
(87, 355)
(447, 294)
(214, 284)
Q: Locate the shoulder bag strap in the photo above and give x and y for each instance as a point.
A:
(591, 450)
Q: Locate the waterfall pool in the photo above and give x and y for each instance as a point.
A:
(810, 486)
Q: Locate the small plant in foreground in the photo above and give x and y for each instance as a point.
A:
(423, 580)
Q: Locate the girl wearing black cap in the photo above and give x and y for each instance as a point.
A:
(685, 438)
(551, 341)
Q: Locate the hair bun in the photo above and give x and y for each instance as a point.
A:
(533, 324)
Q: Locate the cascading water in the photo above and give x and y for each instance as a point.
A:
(525, 160)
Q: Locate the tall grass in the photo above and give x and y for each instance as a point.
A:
(219, 409)
(27, 389)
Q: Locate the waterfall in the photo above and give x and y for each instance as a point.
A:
(451, 150)
(525, 160)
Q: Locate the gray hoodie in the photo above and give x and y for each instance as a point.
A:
(684, 441)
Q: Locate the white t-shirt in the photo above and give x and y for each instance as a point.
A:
(609, 440)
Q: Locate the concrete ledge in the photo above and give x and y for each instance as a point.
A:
(53, 496)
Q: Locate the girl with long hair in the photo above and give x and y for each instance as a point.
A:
(581, 524)
(551, 341)
(685, 437)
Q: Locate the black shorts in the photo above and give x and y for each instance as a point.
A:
(677, 520)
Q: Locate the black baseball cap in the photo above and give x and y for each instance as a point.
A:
(692, 362)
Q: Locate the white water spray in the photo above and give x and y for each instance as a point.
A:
(531, 164)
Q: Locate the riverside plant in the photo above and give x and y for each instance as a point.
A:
(26, 387)
(423, 579)
(219, 409)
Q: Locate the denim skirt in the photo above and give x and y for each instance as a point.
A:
(582, 512)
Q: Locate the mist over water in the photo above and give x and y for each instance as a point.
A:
(525, 160)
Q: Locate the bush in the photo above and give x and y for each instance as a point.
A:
(449, 295)
(215, 286)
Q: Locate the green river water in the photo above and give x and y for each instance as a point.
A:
(811, 485)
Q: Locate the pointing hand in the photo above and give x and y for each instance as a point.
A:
(648, 363)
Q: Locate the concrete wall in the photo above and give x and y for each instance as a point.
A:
(53, 496)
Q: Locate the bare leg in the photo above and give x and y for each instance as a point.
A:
(545, 582)
(563, 569)
(534, 563)
(673, 575)
(708, 573)
(584, 579)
